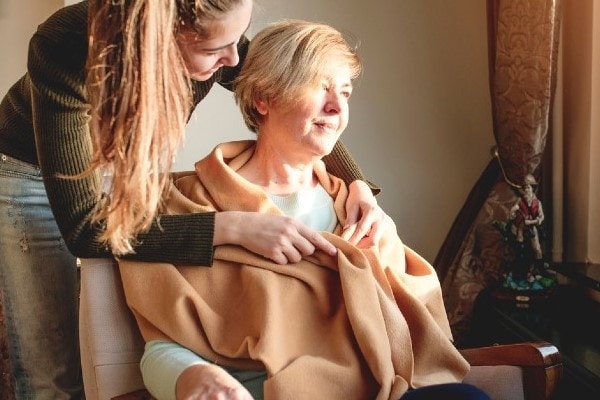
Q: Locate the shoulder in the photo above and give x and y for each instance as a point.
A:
(62, 38)
(58, 49)
(71, 18)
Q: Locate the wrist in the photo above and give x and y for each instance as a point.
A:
(225, 224)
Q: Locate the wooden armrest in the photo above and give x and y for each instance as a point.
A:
(519, 354)
(541, 363)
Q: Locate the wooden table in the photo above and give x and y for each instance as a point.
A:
(568, 319)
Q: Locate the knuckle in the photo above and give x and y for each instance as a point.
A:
(279, 258)
(310, 249)
(289, 229)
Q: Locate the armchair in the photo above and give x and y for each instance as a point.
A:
(111, 347)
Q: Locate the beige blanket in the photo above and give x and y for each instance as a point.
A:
(366, 324)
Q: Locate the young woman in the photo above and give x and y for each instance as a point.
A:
(359, 325)
(108, 90)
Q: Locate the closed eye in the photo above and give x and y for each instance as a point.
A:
(346, 93)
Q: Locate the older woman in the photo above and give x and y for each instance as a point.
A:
(368, 322)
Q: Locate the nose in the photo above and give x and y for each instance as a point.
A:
(335, 102)
(231, 58)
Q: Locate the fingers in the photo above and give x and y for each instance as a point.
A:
(300, 242)
(376, 231)
(349, 231)
(364, 217)
(208, 381)
(362, 230)
(364, 226)
(370, 225)
(287, 254)
(281, 239)
(352, 215)
(317, 241)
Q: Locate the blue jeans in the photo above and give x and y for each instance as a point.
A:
(446, 391)
(38, 278)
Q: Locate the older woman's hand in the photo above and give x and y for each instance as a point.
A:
(279, 238)
(364, 216)
(209, 382)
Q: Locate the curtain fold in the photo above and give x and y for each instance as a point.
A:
(522, 49)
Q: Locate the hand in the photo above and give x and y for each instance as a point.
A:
(278, 238)
(209, 382)
(364, 216)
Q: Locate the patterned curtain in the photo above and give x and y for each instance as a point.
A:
(523, 48)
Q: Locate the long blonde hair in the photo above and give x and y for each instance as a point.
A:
(141, 100)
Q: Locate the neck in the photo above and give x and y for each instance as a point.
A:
(277, 172)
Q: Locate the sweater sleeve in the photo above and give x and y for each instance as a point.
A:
(60, 118)
(341, 164)
(161, 365)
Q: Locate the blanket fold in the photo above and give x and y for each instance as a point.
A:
(368, 323)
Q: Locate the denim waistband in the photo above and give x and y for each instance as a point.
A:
(10, 164)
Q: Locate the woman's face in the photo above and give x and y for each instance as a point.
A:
(313, 124)
(203, 57)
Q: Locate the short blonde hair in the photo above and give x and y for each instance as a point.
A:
(284, 59)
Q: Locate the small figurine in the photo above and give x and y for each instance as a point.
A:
(524, 232)
(527, 216)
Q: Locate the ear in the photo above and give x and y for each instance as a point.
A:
(261, 106)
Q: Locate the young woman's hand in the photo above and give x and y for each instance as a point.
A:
(364, 216)
(279, 238)
(209, 382)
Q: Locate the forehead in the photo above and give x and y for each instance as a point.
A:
(337, 69)
(229, 25)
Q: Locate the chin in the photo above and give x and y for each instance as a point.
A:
(203, 76)
(327, 150)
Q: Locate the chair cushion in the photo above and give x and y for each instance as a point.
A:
(500, 382)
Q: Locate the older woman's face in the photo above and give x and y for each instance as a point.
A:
(204, 57)
(314, 123)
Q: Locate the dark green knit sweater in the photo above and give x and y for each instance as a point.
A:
(44, 121)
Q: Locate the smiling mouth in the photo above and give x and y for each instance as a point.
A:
(326, 126)
(211, 71)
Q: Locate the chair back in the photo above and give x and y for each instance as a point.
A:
(111, 343)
